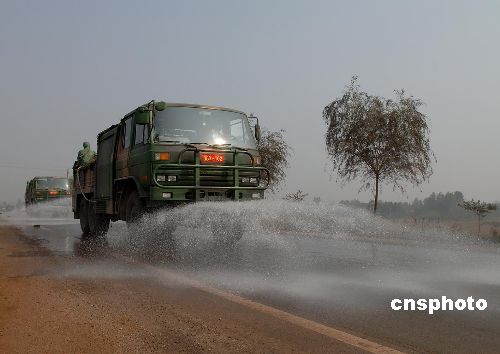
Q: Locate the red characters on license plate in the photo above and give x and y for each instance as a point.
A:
(212, 158)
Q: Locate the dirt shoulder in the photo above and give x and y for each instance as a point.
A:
(44, 311)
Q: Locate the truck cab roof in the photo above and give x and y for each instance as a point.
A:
(47, 177)
(193, 105)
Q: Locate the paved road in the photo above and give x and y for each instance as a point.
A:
(342, 280)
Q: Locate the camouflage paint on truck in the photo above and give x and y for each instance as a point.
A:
(167, 154)
(41, 189)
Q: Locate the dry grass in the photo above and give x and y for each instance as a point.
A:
(489, 229)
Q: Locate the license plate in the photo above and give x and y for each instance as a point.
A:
(211, 158)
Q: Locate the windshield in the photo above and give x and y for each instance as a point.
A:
(198, 125)
(46, 183)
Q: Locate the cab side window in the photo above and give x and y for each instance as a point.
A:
(141, 134)
(120, 147)
(127, 129)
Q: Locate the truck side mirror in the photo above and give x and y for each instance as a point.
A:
(256, 127)
(257, 131)
(142, 116)
(160, 106)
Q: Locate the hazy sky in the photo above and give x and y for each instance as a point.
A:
(70, 69)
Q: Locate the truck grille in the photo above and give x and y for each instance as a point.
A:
(208, 177)
(216, 177)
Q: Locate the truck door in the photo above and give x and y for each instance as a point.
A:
(104, 165)
(139, 163)
(122, 148)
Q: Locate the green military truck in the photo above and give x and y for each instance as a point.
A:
(42, 189)
(168, 154)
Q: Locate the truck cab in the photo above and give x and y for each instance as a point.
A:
(168, 154)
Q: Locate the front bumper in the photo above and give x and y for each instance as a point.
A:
(201, 189)
(168, 194)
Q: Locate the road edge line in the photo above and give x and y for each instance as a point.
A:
(330, 332)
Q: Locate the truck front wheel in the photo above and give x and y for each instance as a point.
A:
(135, 208)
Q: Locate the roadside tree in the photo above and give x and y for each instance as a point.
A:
(274, 153)
(480, 209)
(378, 140)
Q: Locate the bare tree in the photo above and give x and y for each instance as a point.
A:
(378, 140)
(274, 153)
(480, 209)
(296, 197)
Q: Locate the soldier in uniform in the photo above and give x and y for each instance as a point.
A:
(86, 155)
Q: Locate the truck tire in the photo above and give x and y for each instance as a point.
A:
(84, 216)
(98, 223)
(135, 208)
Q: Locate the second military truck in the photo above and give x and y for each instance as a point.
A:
(168, 154)
(42, 189)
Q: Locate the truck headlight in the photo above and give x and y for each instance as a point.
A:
(160, 178)
(245, 180)
(254, 180)
(171, 178)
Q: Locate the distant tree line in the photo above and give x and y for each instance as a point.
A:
(436, 205)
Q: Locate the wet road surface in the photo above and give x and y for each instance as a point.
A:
(343, 282)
